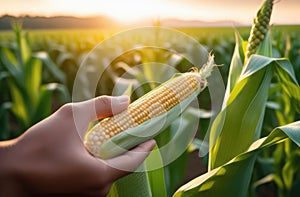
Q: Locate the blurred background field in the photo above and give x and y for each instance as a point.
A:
(38, 68)
(66, 49)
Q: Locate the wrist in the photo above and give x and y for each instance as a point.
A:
(7, 155)
(9, 185)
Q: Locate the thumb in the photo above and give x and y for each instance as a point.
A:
(106, 105)
(99, 107)
(130, 161)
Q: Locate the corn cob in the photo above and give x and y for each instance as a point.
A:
(259, 28)
(108, 139)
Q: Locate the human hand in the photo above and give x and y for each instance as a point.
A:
(50, 158)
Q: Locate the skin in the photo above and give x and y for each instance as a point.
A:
(50, 159)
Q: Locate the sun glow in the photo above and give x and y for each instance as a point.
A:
(123, 11)
(126, 11)
(132, 10)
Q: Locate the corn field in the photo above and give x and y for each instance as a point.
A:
(253, 141)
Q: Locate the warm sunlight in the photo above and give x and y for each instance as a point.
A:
(130, 11)
(133, 10)
(123, 11)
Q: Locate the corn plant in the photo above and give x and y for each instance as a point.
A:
(235, 133)
(29, 99)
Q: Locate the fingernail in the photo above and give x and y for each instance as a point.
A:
(123, 99)
(152, 143)
(119, 103)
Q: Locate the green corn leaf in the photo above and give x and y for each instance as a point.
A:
(288, 171)
(32, 81)
(44, 105)
(156, 176)
(62, 57)
(175, 141)
(267, 179)
(223, 181)
(289, 83)
(236, 64)
(129, 90)
(23, 49)
(265, 47)
(182, 133)
(182, 136)
(175, 172)
(199, 145)
(135, 185)
(244, 109)
(3, 75)
(124, 86)
(145, 182)
(149, 73)
(19, 107)
(51, 67)
(10, 63)
(4, 107)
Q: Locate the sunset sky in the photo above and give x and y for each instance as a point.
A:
(241, 11)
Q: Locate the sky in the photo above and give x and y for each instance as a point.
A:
(239, 11)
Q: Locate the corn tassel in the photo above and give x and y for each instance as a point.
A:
(259, 28)
(148, 115)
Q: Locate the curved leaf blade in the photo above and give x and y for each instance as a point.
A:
(221, 181)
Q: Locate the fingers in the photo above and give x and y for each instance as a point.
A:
(130, 161)
(103, 106)
(99, 107)
(107, 106)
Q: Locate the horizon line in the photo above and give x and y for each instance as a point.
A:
(147, 19)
